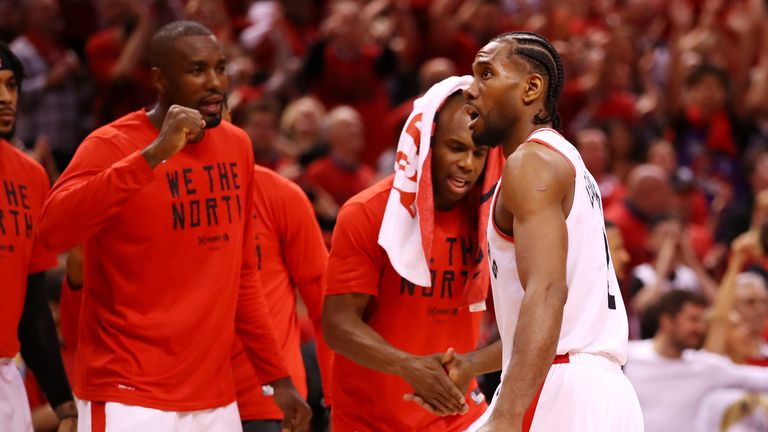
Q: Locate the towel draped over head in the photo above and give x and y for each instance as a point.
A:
(407, 228)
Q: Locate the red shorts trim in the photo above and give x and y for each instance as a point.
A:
(98, 417)
(528, 417)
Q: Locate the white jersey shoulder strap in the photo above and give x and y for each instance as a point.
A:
(552, 139)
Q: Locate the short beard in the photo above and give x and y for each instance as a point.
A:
(8, 136)
(489, 137)
(684, 345)
(212, 123)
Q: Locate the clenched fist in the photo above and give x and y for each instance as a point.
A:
(180, 125)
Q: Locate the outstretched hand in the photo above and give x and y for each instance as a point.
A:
(458, 367)
(433, 389)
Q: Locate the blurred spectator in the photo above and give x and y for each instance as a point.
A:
(593, 146)
(343, 68)
(732, 410)
(662, 154)
(300, 124)
(272, 55)
(259, 121)
(624, 149)
(674, 266)
(212, 14)
(738, 214)
(705, 135)
(740, 312)
(648, 195)
(706, 111)
(49, 103)
(690, 204)
(671, 375)
(341, 174)
(118, 60)
(619, 254)
(457, 29)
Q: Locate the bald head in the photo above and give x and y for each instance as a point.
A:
(646, 174)
(648, 188)
(162, 42)
(344, 131)
(435, 70)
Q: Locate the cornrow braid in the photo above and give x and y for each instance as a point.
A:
(543, 58)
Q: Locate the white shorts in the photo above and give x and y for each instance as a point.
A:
(117, 417)
(14, 406)
(589, 393)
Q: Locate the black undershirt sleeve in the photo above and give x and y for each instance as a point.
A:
(40, 345)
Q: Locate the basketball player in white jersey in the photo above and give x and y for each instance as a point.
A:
(559, 310)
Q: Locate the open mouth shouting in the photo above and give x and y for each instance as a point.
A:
(474, 114)
(211, 106)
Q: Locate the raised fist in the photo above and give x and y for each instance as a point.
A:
(180, 126)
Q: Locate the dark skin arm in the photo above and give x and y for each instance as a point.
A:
(40, 350)
(349, 335)
(537, 189)
(462, 368)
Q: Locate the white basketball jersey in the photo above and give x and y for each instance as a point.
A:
(594, 318)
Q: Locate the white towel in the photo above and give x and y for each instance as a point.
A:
(406, 230)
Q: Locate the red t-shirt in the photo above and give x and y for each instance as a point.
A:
(413, 319)
(633, 230)
(169, 271)
(291, 255)
(341, 183)
(23, 187)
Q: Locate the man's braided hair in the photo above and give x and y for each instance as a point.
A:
(542, 57)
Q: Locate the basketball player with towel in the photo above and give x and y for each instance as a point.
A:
(404, 278)
(559, 310)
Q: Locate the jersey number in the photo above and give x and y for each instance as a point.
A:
(611, 297)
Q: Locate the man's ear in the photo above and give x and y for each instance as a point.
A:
(534, 88)
(158, 79)
(664, 322)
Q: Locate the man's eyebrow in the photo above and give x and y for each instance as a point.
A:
(481, 62)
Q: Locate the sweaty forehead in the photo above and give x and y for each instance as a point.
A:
(176, 52)
(493, 52)
(191, 48)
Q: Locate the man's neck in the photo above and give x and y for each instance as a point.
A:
(157, 114)
(518, 136)
(663, 347)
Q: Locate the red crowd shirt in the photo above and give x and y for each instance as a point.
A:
(169, 272)
(23, 187)
(340, 182)
(633, 229)
(414, 319)
(291, 255)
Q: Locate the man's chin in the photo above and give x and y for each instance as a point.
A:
(212, 122)
(486, 138)
(7, 134)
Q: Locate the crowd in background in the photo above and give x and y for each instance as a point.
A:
(667, 102)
